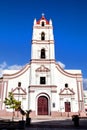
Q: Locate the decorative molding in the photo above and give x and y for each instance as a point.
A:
(42, 68)
(45, 27)
(67, 91)
(43, 61)
(22, 91)
(31, 91)
(53, 91)
(17, 74)
(43, 86)
(77, 75)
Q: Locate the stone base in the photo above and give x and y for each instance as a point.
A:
(4, 113)
(55, 114)
(83, 114)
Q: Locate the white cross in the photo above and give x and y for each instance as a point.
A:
(42, 14)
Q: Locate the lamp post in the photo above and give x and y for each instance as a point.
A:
(19, 85)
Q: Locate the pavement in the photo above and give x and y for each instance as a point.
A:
(57, 123)
(47, 123)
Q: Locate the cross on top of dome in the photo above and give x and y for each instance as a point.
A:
(43, 14)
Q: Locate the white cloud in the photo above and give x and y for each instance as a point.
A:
(85, 84)
(4, 66)
(15, 67)
(61, 64)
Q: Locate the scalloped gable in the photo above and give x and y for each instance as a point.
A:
(69, 73)
(66, 91)
(16, 73)
(42, 68)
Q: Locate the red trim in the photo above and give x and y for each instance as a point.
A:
(42, 93)
(41, 61)
(31, 91)
(43, 18)
(77, 75)
(41, 27)
(44, 86)
(53, 91)
(41, 42)
(61, 93)
(24, 92)
(78, 95)
(42, 68)
(17, 74)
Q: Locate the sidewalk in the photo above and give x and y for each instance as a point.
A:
(48, 123)
(58, 123)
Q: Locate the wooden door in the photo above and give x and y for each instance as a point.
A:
(67, 107)
(42, 105)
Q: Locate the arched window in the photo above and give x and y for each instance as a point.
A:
(66, 85)
(42, 36)
(42, 23)
(43, 53)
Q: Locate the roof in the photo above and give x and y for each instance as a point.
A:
(42, 18)
(73, 71)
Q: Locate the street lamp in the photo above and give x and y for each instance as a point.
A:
(19, 85)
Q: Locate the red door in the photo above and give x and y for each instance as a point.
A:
(67, 107)
(42, 105)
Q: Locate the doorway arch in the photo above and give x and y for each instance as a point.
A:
(42, 105)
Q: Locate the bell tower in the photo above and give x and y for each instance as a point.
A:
(42, 40)
(41, 81)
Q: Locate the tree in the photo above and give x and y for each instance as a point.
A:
(12, 103)
(23, 113)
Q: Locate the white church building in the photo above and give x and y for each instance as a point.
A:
(43, 85)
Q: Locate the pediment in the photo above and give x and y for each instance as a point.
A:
(19, 91)
(66, 91)
(42, 68)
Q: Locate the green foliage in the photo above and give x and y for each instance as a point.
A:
(11, 102)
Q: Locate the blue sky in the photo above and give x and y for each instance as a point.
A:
(70, 31)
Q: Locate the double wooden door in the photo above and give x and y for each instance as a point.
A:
(42, 105)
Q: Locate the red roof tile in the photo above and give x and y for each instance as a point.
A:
(43, 18)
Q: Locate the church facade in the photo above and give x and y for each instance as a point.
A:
(42, 85)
